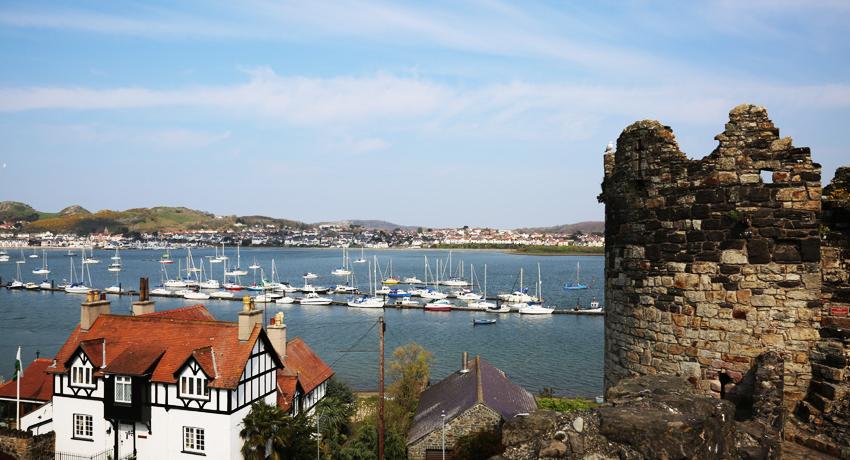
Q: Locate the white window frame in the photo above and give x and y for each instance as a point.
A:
(83, 426)
(81, 376)
(194, 439)
(193, 387)
(123, 389)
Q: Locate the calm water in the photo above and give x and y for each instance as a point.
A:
(559, 351)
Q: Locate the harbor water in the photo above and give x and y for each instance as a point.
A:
(562, 352)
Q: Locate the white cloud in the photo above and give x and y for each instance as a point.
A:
(517, 109)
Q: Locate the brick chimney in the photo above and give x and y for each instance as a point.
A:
(277, 334)
(144, 305)
(248, 318)
(95, 305)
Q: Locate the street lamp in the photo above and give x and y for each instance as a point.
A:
(443, 417)
(318, 436)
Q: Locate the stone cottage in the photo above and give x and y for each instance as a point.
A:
(477, 397)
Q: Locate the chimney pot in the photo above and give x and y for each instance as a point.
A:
(92, 309)
(277, 335)
(464, 362)
(248, 318)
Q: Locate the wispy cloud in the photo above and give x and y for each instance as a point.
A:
(562, 109)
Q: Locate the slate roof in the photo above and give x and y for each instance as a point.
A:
(459, 392)
(179, 337)
(36, 384)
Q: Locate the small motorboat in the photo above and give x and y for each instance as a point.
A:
(344, 289)
(77, 288)
(232, 287)
(439, 305)
(412, 280)
(210, 284)
(366, 302)
(502, 309)
(315, 299)
(157, 291)
(480, 322)
(407, 302)
(391, 280)
(433, 295)
(45, 285)
(310, 276)
(30, 286)
(535, 309)
(113, 290)
(221, 295)
(284, 300)
(194, 295)
(341, 272)
(398, 293)
(256, 288)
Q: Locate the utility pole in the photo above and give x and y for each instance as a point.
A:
(381, 390)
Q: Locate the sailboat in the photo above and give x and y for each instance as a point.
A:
(173, 283)
(18, 282)
(208, 282)
(238, 271)
(115, 266)
(90, 259)
(33, 255)
(115, 288)
(4, 256)
(390, 279)
(362, 259)
(484, 304)
(577, 285)
(43, 270)
(255, 265)
(80, 286)
(536, 308)
(166, 258)
(433, 293)
(520, 296)
(370, 301)
(344, 270)
(217, 259)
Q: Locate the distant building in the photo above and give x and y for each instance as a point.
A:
(475, 398)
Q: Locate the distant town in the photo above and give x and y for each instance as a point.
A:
(322, 235)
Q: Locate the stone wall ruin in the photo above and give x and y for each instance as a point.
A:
(712, 263)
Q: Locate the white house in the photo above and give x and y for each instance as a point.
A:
(171, 384)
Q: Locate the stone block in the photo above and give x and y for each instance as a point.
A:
(733, 256)
(762, 301)
(758, 251)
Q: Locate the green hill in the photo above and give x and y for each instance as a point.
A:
(76, 219)
(14, 211)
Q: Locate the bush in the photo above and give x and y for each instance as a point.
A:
(565, 404)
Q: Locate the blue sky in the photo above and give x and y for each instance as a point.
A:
(477, 113)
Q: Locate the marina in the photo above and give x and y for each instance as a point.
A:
(573, 338)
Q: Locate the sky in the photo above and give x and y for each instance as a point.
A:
(480, 113)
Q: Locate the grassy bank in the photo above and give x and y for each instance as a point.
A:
(565, 404)
(535, 250)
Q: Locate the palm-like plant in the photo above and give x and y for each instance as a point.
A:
(264, 426)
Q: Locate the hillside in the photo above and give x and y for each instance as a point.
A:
(371, 224)
(76, 219)
(15, 211)
(591, 226)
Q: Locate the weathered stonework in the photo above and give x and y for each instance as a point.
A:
(724, 271)
(23, 445)
(707, 267)
(478, 418)
(826, 409)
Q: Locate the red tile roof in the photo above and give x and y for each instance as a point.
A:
(302, 360)
(179, 337)
(192, 312)
(36, 384)
(287, 385)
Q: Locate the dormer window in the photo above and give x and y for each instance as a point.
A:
(194, 387)
(81, 376)
(123, 390)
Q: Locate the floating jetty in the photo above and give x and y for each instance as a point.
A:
(339, 303)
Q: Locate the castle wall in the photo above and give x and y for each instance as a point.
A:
(708, 265)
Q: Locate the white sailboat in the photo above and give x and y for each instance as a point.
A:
(344, 270)
(34, 255)
(362, 259)
(90, 259)
(315, 299)
(18, 282)
(115, 266)
(536, 308)
(370, 301)
(43, 270)
(484, 305)
(80, 286)
(208, 282)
